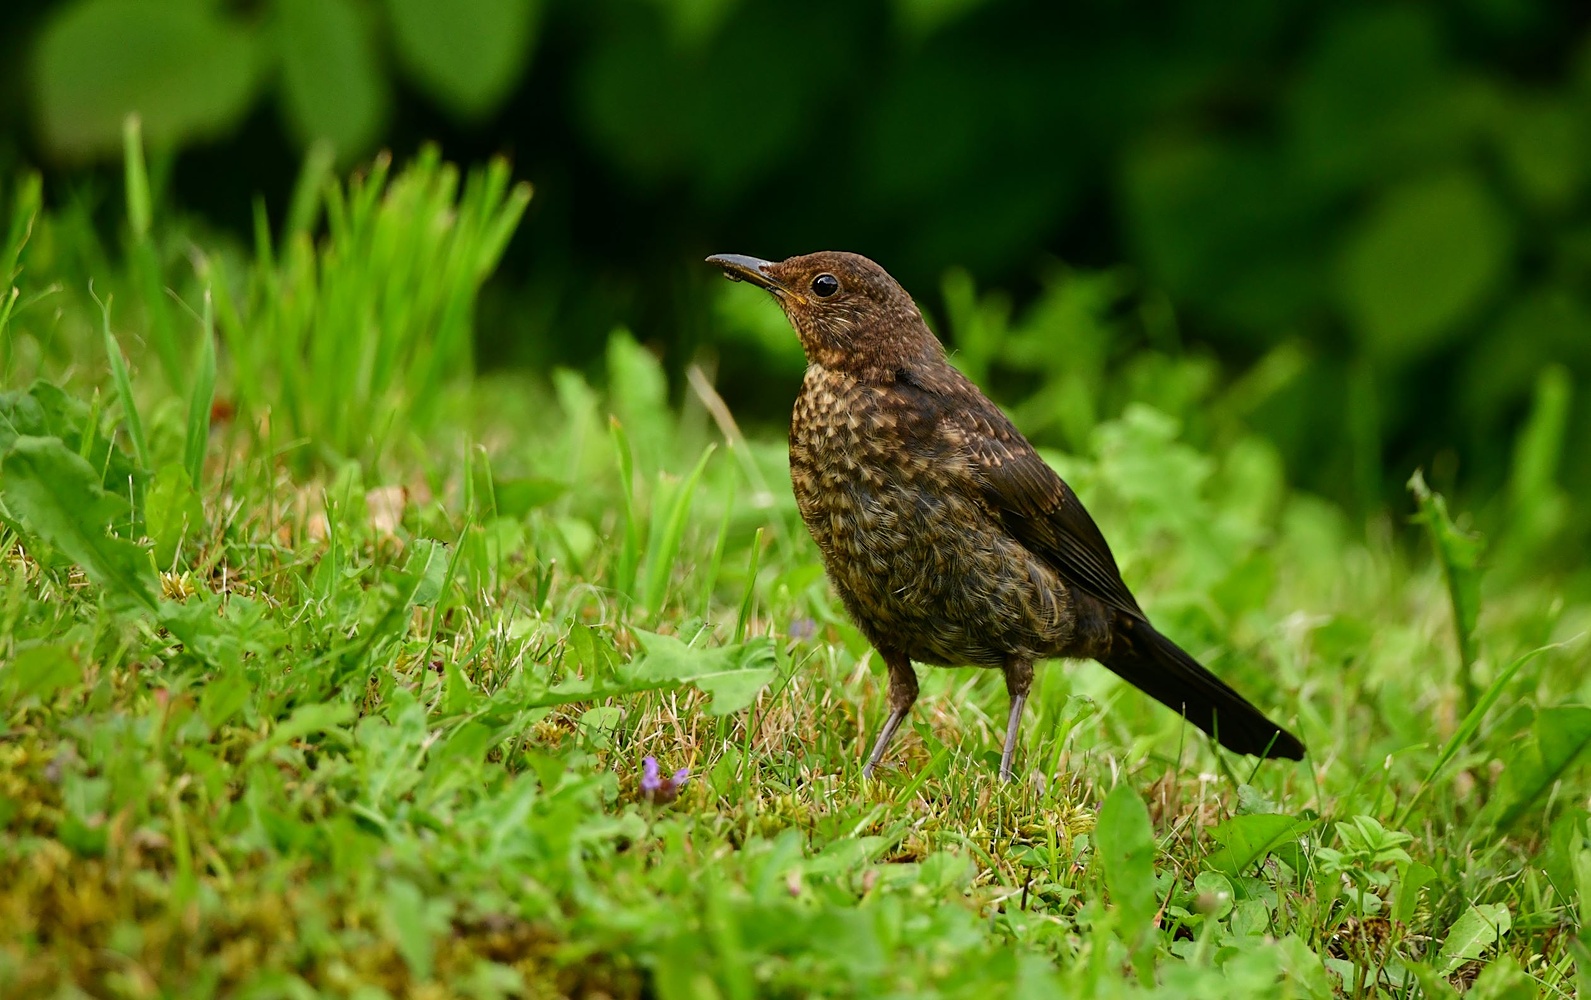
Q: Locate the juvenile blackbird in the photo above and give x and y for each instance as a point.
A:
(948, 538)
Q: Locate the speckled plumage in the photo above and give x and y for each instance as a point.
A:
(887, 489)
(947, 537)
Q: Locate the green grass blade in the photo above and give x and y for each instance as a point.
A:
(1459, 553)
(27, 199)
(709, 579)
(1467, 729)
(202, 398)
(748, 599)
(124, 391)
(135, 177)
(304, 208)
(667, 534)
(624, 566)
(8, 302)
(145, 257)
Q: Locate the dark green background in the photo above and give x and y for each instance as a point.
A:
(1399, 189)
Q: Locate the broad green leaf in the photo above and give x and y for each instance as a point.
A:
(1125, 844)
(1472, 934)
(223, 698)
(1434, 986)
(599, 724)
(1426, 258)
(465, 54)
(185, 69)
(406, 920)
(1558, 740)
(332, 83)
(733, 690)
(1215, 890)
(315, 717)
(589, 651)
(517, 497)
(1304, 970)
(1414, 877)
(45, 410)
(730, 675)
(427, 570)
(39, 671)
(458, 695)
(173, 514)
(393, 746)
(1503, 979)
(1246, 840)
(57, 495)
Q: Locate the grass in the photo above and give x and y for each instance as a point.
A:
(299, 701)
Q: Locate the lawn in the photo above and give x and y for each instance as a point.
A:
(328, 667)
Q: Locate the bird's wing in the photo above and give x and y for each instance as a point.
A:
(1035, 505)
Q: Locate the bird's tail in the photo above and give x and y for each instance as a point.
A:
(1161, 669)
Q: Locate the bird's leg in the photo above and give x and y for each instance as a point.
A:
(1018, 678)
(902, 693)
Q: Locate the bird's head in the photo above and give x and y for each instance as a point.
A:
(850, 314)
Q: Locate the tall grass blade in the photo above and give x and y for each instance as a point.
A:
(668, 531)
(1467, 729)
(709, 580)
(135, 177)
(748, 599)
(624, 566)
(202, 398)
(26, 201)
(145, 257)
(1459, 553)
(124, 390)
(1537, 506)
(8, 303)
(304, 209)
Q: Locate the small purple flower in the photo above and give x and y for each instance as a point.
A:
(658, 789)
(803, 629)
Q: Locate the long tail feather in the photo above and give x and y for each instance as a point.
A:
(1162, 670)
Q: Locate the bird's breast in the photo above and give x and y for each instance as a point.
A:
(918, 558)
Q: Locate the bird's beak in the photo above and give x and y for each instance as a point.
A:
(739, 267)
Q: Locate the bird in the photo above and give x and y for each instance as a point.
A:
(948, 539)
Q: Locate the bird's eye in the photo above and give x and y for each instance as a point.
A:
(825, 285)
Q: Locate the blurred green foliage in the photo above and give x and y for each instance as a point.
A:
(1394, 195)
(192, 69)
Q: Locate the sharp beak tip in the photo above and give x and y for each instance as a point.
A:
(739, 267)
